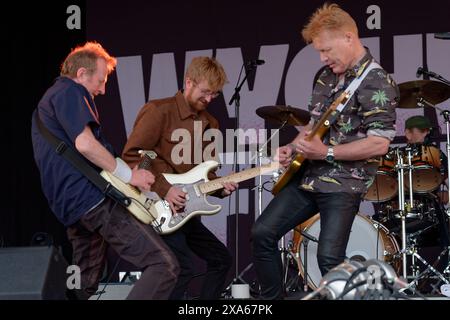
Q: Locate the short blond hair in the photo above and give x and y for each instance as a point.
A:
(86, 56)
(328, 17)
(209, 69)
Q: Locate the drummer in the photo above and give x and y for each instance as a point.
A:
(418, 131)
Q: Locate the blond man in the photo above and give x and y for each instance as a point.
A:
(153, 129)
(338, 167)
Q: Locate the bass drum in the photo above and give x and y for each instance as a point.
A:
(368, 240)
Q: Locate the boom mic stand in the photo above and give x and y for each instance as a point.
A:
(236, 98)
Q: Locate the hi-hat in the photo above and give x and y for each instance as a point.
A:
(284, 115)
(432, 91)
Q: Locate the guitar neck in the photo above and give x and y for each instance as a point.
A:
(147, 157)
(322, 126)
(216, 184)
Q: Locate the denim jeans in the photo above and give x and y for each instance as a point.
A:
(110, 224)
(195, 238)
(290, 207)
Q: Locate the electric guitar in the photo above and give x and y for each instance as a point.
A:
(319, 129)
(148, 210)
(195, 183)
(197, 186)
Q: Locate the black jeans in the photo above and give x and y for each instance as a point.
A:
(289, 208)
(110, 224)
(195, 237)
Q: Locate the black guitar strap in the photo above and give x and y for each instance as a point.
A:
(76, 160)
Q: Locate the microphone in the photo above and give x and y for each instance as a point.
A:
(419, 72)
(354, 280)
(256, 62)
(424, 71)
(388, 273)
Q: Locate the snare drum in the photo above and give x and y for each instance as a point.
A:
(368, 240)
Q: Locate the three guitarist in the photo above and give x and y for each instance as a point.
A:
(94, 221)
(157, 122)
(338, 164)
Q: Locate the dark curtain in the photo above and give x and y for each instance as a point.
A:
(37, 40)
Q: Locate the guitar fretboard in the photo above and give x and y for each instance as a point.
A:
(216, 184)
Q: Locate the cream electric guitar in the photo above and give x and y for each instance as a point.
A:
(148, 210)
(155, 211)
(197, 186)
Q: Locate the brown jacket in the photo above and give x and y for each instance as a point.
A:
(153, 129)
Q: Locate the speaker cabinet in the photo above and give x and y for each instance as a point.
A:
(32, 273)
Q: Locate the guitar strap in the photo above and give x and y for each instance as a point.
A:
(76, 160)
(353, 86)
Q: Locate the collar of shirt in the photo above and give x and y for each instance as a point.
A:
(360, 66)
(184, 109)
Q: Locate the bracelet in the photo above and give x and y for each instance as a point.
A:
(122, 171)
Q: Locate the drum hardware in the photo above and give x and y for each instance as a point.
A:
(409, 244)
(406, 208)
(305, 241)
(422, 102)
(429, 269)
(401, 199)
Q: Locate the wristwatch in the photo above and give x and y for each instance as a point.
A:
(330, 155)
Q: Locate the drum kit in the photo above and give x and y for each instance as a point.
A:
(405, 194)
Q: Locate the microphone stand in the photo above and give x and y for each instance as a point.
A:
(236, 98)
(436, 76)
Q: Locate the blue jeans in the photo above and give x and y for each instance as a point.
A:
(290, 207)
(112, 225)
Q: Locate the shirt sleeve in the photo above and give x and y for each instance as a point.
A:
(147, 132)
(378, 98)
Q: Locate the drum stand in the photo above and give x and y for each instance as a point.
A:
(446, 114)
(305, 241)
(401, 198)
(409, 247)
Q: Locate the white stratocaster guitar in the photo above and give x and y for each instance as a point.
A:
(154, 210)
(145, 208)
(197, 186)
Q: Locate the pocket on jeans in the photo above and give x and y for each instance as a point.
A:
(122, 225)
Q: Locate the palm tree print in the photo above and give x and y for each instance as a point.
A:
(380, 97)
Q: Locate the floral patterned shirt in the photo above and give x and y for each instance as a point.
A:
(370, 111)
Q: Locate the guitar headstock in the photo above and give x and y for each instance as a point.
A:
(147, 156)
(148, 153)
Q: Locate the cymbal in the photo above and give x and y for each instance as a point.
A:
(433, 91)
(280, 114)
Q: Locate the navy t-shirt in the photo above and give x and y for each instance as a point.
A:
(65, 109)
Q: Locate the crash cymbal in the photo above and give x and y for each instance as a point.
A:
(280, 114)
(433, 91)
